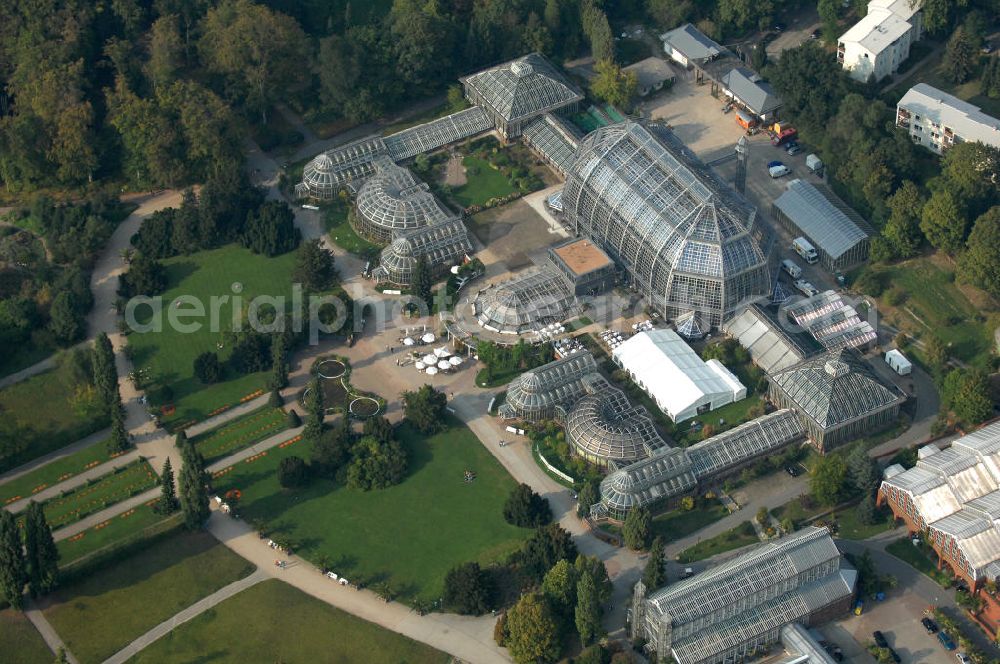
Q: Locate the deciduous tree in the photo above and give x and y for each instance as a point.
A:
(424, 408)
(468, 589)
(636, 528)
(559, 587)
(827, 479)
(944, 222)
(614, 85)
(980, 264)
(532, 631)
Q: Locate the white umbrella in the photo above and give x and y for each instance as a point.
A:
(444, 365)
(420, 366)
(408, 341)
(430, 359)
(442, 352)
(428, 338)
(454, 269)
(431, 371)
(455, 360)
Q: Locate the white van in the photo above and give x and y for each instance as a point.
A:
(805, 249)
(793, 270)
(778, 171)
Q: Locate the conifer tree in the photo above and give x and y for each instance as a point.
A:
(314, 411)
(193, 487)
(105, 372)
(13, 575)
(41, 554)
(168, 493)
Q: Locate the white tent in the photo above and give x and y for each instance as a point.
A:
(431, 371)
(428, 338)
(430, 359)
(455, 360)
(420, 366)
(442, 352)
(898, 362)
(408, 341)
(444, 365)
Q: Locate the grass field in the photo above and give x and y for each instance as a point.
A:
(848, 526)
(71, 413)
(441, 519)
(273, 622)
(106, 491)
(920, 558)
(241, 433)
(934, 303)
(101, 614)
(169, 354)
(22, 644)
(126, 527)
(54, 472)
(675, 524)
(343, 234)
(740, 536)
(483, 182)
(732, 415)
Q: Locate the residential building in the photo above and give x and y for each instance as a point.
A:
(877, 44)
(938, 120)
(736, 610)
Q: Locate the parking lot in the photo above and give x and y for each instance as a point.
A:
(898, 618)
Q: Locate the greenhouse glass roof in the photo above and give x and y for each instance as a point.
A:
(605, 425)
(551, 389)
(525, 303)
(394, 200)
(835, 388)
(440, 244)
(432, 135)
(553, 138)
(827, 220)
(524, 87)
(747, 441)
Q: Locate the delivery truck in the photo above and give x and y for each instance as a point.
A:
(804, 249)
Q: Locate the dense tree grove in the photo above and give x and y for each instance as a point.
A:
(468, 589)
(526, 508)
(424, 408)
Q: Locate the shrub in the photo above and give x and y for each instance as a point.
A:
(293, 472)
(293, 419)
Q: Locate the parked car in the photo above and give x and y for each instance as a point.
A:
(815, 34)
(792, 470)
(778, 171)
(929, 625)
(946, 641)
(963, 658)
(778, 27)
(880, 639)
(793, 148)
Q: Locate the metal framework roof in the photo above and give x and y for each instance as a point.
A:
(728, 610)
(835, 388)
(820, 214)
(522, 88)
(394, 200)
(330, 170)
(525, 303)
(831, 321)
(432, 135)
(553, 139)
(770, 347)
(687, 239)
(551, 390)
(749, 440)
(441, 244)
(604, 427)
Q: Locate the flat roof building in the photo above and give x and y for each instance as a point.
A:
(651, 74)
(686, 240)
(585, 266)
(877, 44)
(938, 120)
(839, 234)
(838, 397)
(679, 382)
(732, 612)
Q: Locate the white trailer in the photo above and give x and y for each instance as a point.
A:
(814, 163)
(898, 362)
(793, 270)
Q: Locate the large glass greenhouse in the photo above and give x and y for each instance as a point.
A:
(525, 303)
(688, 241)
(551, 390)
(442, 245)
(393, 201)
(733, 611)
(606, 428)
(329, 171)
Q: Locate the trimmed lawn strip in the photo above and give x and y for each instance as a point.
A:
(848, 526)
(241, 433)
(274, 622)
(169, 354)
(52, 473)
(103, 613)
(342, 234)
(442, 519)
(483, 183)
(61, 425)
(677, 524)
(22, 644)
(732, 414)
(917, 558)
(101, 493)
(738, 537)
(123, 529)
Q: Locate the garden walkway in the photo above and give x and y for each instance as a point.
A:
(191, 612)
(48, 633)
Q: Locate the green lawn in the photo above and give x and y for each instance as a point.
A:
(409, 535)
(934, 304)
(483, 182)
(273, 622)
(103, 613)
(677, 523)
(343, 234)
(138, 523)
(740, 536)
(70, 413)
(920, 558)
(732, 415)
(848, 526)
(169, 354)
(104, 492)
(22, 644)
(25, 356)
(54, 472)
(241, 433)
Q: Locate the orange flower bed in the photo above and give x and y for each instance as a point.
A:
(12, 500)
(40, 487)
(290, 441)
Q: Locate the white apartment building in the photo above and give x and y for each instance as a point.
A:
(877, 44)
(938, 120)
